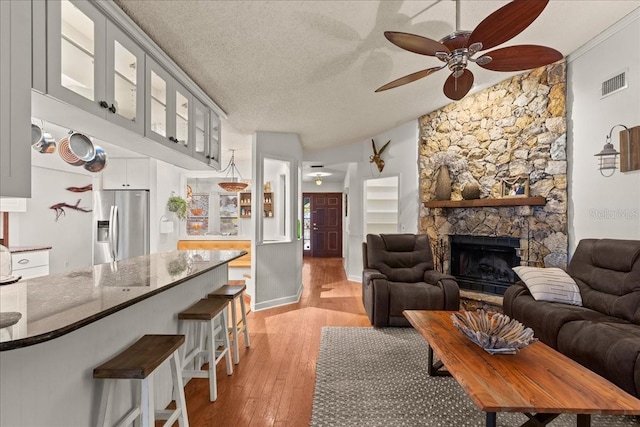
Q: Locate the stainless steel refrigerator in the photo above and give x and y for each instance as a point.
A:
(120, 225)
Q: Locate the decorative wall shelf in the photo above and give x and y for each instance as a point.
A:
(481, 203)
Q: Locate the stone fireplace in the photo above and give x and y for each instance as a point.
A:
(515, 129)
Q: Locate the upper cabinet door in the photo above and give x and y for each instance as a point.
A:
(124, 80)
(168, 108)
(214, 140)
(157, 103)
(200, 127)
(76, 54)
(181, 119)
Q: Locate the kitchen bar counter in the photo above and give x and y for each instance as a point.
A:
(55, 305)
(75, 321)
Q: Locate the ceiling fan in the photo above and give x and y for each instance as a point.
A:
(458, 49)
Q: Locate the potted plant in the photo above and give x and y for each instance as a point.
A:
(178, 206)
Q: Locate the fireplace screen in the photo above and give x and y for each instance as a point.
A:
(484, 263)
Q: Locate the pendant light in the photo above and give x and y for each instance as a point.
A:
(232, 184)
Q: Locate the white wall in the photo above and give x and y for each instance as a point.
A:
(326, 187)
(401, 159)
(70, 235)
(165, 179)
(276, 270)
(598, 206)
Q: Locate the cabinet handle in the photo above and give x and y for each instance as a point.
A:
(103, 104)
(23, 261)
(208, 157)
(112, 108)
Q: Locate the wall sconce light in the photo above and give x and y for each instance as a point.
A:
(318, 179)
(629, 152)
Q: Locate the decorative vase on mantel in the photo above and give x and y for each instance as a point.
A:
(443, 184)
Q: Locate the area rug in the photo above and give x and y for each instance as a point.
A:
(378, 378)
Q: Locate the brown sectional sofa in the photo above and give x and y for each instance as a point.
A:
(604, 334)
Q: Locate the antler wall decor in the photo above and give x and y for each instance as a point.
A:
(375, 158)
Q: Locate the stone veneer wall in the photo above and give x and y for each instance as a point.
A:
(516, 128)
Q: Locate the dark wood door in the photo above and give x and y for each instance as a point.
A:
(325, 225)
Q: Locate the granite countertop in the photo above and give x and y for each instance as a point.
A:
(57, 304)
(17, 249)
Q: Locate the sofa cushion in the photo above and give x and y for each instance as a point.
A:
(547, 318)
(607, 272)
(414, 296)
(400, 257)
(550, 284)
(610, 349)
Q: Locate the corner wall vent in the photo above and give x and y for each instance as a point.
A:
(614, 84)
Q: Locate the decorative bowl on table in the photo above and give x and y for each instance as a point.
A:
(496, 333)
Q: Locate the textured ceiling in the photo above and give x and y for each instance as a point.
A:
(311, 67)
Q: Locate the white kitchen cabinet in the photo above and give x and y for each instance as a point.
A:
(30, 264)
(214, 140)
(168, 109)
(93, 65)
(126, 174)
(200, 131)
(15, 98)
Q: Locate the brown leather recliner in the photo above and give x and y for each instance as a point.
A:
(398, 275)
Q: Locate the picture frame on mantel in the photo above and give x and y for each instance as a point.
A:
(515, 187)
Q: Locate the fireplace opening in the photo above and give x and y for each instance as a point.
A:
(483, 264)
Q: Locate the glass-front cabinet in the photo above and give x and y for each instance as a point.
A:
(125, 77)
(200, 131)
(93, 65)
(214, 140)
(168, 109)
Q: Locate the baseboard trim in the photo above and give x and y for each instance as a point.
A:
(354, 278)
(279, 301)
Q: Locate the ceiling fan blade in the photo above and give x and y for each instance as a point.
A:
(457, 88)
(506, 22)
(409, 78)
(522, 57)
(416, 44)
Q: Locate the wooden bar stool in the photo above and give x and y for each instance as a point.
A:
(210, 317)
(230, 293)
(138, 362)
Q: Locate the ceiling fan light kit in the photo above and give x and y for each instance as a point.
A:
(457, 50)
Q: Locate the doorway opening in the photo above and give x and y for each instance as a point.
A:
(322, 224)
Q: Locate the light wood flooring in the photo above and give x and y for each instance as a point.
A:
(273, 384)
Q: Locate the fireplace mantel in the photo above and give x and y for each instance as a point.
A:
(481, 203)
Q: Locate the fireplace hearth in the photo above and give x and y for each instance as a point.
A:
(482, 263)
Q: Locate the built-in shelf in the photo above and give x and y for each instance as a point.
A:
(481, 203)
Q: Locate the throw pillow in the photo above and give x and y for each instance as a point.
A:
(550, 284)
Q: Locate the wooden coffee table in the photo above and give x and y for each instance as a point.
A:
(537, 381)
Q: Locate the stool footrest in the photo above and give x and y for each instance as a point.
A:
(129, 417)
(169, 415)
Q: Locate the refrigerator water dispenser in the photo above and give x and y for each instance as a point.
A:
(103, 231)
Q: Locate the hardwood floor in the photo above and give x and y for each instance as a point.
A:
(273, 384)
